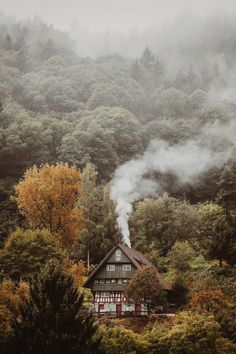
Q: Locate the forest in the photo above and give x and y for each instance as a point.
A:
(68, 124)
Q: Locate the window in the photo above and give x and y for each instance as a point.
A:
(125, 281)
(119, 281)
(110, 267)
(102, 281)
(105, 294)
(108, 281)
(96, 281)
(126, 267)
(118, 255)
(113, 281)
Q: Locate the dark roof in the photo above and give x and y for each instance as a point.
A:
(136, 258)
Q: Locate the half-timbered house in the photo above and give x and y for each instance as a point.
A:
(108, 280)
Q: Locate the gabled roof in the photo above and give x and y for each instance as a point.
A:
(136, 258)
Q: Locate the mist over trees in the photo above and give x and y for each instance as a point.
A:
(67, 122)
(57, 106)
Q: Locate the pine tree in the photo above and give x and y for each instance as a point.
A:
(157, 72)
(227, 199)
(8, 42)
(51, 321)
(227, 193)
(49, 49)
(136, 71)
(147, 59)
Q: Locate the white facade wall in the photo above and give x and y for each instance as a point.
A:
(111, 308)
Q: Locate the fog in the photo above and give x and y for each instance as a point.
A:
(107, 26)
(113, 13)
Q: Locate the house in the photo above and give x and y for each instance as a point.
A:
(108, 280)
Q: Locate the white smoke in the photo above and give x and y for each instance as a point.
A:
(212, 148)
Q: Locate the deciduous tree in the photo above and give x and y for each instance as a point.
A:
(158, 223)
(180, 255)
(208, 300)
(48, 196)
(26, 252)
(216, 234)
(144, 287)
(11, 295)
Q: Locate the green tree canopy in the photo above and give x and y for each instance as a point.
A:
(144, 287)
(26, 252)
(216, 234)
(190, 333)
(180, 255)
(106, 137)
(158, 223)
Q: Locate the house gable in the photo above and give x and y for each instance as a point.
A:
(119, 272)
(108, 281)
(114, 259)
(128, 256)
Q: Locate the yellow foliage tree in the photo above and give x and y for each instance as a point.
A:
(11, 295)
(77, 270)
(48, 197)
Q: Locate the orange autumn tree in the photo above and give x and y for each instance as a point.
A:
(209, 300)
(48, 197)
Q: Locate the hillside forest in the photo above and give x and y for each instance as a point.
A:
(67, 122)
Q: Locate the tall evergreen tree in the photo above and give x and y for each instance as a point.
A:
(227, 199)
(136, 71)
(100, 232)
(51, 321)
(147, 59)
(157, 72)
(227, 193)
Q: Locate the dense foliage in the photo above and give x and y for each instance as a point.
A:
(145, 287)
(66, 123)
(47, 196)
(26, 252)
(50, 320)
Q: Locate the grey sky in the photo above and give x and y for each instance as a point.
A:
(108, 13)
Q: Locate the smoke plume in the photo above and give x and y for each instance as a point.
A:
(212, 148)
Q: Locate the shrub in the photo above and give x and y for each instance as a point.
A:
(190, 333)
(119, 340)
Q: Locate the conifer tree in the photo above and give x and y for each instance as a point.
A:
(227, 193)
(147, 59)
(51, 321)
(136, 71)
(227, 199)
